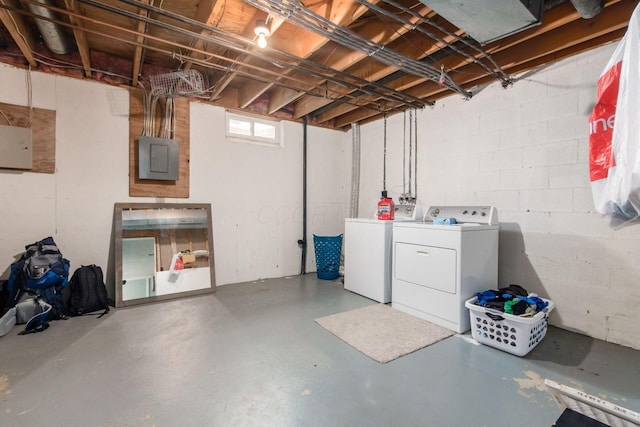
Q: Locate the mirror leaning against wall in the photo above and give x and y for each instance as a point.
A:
(162, 251)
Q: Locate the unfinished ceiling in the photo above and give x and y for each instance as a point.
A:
(334, 62)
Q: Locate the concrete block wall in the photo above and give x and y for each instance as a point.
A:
(255, 191)
(524, 149)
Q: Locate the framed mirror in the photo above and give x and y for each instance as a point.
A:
(162, 251)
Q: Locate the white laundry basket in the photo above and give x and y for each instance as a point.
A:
(513, 334)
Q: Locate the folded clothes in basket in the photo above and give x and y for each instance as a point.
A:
(513, 299)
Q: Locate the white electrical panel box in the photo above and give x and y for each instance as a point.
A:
(16, 150)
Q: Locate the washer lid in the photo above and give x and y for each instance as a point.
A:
(487, 215)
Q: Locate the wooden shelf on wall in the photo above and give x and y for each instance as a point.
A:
(43, 133)
(151, 187)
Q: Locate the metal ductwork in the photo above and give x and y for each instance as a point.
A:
(52, 34)
(588, 8)
(489, 20)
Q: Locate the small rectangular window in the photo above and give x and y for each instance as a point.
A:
(239, 127)
(253, 129)
(264, 130)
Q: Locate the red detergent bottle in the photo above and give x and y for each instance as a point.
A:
(385, 207)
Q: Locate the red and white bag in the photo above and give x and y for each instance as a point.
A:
(614, 133)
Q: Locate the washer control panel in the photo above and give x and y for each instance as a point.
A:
(487, 215)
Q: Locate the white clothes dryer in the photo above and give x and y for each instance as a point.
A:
(437, 267)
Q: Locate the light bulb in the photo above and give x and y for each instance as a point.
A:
(262, 41)
(262, 31)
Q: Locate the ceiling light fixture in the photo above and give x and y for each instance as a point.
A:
(262, 31)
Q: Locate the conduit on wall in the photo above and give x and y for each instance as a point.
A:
(404, 155)
(415, 156)
(384, 159)
(355, 170)
(303, 242)
(410, 195)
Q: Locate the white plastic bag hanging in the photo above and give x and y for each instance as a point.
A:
(614, 133)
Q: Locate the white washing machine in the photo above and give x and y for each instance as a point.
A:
(367, 253)
(437, 267)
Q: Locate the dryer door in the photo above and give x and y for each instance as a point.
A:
(427, 266)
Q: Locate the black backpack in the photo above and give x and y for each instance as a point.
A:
(88, 292)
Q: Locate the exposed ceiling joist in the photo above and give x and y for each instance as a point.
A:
(334, 62)
(18, 29)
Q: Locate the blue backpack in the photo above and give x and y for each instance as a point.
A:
(41, 270)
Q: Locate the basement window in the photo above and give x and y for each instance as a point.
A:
(252, 129)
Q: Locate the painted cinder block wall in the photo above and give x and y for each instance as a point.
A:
(255, 191)
(524, 149)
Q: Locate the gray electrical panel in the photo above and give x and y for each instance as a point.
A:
(16, 150)
(158, 158)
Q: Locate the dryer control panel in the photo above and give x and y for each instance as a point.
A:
(487, 215)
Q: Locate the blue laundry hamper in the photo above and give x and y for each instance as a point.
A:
(328, 250)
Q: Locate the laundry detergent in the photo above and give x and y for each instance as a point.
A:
(386, 207)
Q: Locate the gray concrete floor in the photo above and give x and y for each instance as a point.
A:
(251, 355)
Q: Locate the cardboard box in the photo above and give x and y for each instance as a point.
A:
(188, 258)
